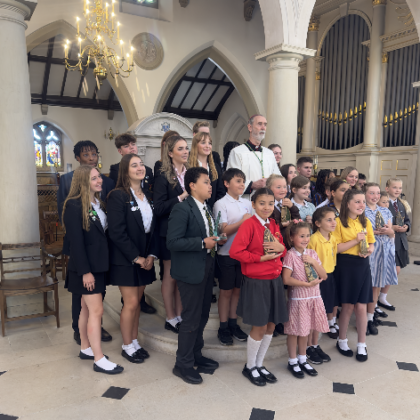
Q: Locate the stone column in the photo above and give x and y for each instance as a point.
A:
(374, 75)
(316, 107)
(381, 106)
(309, 113)
(19, 221)
(282, 108)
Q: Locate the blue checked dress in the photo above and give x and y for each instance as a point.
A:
(382, 260)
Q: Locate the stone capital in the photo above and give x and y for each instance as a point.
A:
(16, 11)
(284, 49)
(314, 24)
(284, 61)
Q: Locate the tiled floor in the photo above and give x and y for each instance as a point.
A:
(41, 377)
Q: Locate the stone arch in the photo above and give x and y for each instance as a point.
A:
(64, 28)
(363, 15)
(414, 6)
(232, 129)
(228, 63)
(286, 21)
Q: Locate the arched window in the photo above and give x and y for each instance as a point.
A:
(47, 147)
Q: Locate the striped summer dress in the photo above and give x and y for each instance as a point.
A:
(382, 260)
(305, 305)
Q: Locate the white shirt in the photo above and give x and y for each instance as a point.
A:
(277, 203)
(246, 160)
(305, 203)
(101, 214)
(323, 204)
(146, 211)
(202, 207)
(231, 211)
(262, 221)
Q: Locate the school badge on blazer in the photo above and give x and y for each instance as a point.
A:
(268, 237)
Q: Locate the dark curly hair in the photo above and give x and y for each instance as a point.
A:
(82, 145)
(322, 177)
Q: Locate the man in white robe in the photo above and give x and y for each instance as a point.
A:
(254, 160)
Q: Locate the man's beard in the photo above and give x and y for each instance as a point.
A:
(259, 136)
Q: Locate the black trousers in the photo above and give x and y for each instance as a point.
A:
(76, 307)
(196, 303)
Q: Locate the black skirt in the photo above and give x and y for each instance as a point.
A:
(75, 283)
(402, 258)
(131, 276)
(353, 279)
(329, 293)
(262, 301)
(165, 254)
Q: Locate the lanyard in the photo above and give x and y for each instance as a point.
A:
(259, 160)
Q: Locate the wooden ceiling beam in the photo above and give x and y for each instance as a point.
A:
(47, 68)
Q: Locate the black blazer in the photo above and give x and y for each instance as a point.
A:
(88, 250)
(165, 196)
(185, 235)
(146, 184)
(156, 169)
(401, 241)
(218, 189)
(128, 240)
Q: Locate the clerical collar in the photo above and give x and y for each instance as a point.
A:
(253, 147)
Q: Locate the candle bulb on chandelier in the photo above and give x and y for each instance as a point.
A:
(113, 2)
(122, 48)
(78, 31)
(80, 46)
(106, 5)
(132, 56)
(118, 30)
(112, 19)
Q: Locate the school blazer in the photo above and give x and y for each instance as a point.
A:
(218, 190)
(88, 250)
(128, 240)
(146, 184)
(401, 241)
(165, 196)
(185, 236)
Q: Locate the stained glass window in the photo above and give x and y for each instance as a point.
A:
(47, 146)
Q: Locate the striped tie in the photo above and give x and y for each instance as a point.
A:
(211, 232)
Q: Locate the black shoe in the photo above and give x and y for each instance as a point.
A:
(388, 307)
(146, 308)
(135, 358)
(367, 331)
(105, 335)
(84, 356)
(275, 333)
(258, 381)
(381, 314)
(348, 353)
(169, 327)
(206, 363)
(280, 329)
(76, 337)
(361, 357)
(270, 378)
(225, 337)
(213, 299)
(372, 328)
(377, 322)
(299, 374)
(308, 369)
(312, 356)
(188, 375)
(416, 262)
(117, 369)
(238, 334)
(143, 353)
(324, 356)
(331, 334)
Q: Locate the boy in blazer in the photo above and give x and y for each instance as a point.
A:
(192, 241)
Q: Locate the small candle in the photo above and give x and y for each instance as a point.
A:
(78, 31)
(118, 29)
(107, 5)
(113, 2)
(80, 45)
(65, 50)
(132, 55)
(122, 48)
(112, 20)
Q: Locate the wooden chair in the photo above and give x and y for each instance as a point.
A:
(27, 286)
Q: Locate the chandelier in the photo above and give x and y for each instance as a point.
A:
(100, 24)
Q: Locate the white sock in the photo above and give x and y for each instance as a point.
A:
(343, 344)
(173, 321)
(87, 351)
(382, 299)
(179, 318)
(380, 311)
(331, 322)
(104, 363)
(129, 349)
(315, 346)
(336, 323)
(302, 360)
(370, 317)
(294, 362)
(136, 344)
(265, 344)
(361, 349)
(252, 348)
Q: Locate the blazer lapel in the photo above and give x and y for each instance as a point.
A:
(198, 216)
(137, 213)
(97, 223)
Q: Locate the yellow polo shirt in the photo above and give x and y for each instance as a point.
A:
(343, 234)
(326, 250)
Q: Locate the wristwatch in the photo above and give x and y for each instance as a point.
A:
(135, 259)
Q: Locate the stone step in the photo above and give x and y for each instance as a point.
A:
(152, 335)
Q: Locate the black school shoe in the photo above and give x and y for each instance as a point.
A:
(188, 375)
(105, 335)
(169, 327)
(134, 358)
(361, 357)
(84, 356)
(117, 369)
(308, 369)
(143, 353)
(371, 328)
(269, 378)
(238, 334)
(146, 308)
(348, 353)
(258, 381)
(299, 374)
(313, 356)
(225, 337)
(76, 337)
(382, 314)
(387, 307)
(324, 356)
(280, 329)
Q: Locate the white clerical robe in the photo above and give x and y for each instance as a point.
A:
(243, 158)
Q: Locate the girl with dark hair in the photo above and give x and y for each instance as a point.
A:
(320, 194)
(227, 148)
(289, 172)
(158, 163)
(134, 245)
(300, 192)
(258, 246)
(338, 188)
(305, 306)
(85, 224)
(355, 238)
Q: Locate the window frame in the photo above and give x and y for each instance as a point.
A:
(43, 141)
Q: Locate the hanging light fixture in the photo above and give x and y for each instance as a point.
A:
(100, 25)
